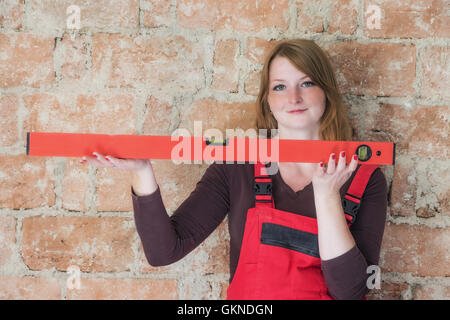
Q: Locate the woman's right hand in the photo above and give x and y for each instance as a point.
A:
(101, 161)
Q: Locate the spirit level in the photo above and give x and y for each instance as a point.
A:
(232, 149)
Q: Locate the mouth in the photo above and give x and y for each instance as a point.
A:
(297, 111)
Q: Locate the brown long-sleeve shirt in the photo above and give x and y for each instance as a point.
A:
(228, 189)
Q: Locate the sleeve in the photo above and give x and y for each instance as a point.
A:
(168, 239)
(346, 276)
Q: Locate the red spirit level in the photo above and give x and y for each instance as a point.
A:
(187, 149)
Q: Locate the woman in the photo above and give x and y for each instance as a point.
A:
(298, 244)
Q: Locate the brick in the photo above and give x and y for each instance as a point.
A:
(26, 60)
(9, 105)
(50, 16)
(311, 15)
(389, 291)
(30, 183)
(75, 186)
(7, 239)
(198, 14)
(213, 255)
(432, 292)
(223, 292)
(69, 112)
(252, 83)
(432, 192)
(258, 49)
(382, 69)
(226, 66)
(156, 61)
(71, 56)
(93, 244)
(29, 288)
(201, 288)
(113, 190)
(344, 17)
(239, 15)
(176, 181)
(418, 188)
(412, 129)
(409, 19)
(124, 289)
(435, 80)
(416, 249)
(404, 189)
(219, 115)
(156, 13)
(11, 14)
(158, 117)
(432, 125)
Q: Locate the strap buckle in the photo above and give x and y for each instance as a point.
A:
(350, 208)
(262, 188)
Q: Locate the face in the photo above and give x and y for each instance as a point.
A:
(291, 91)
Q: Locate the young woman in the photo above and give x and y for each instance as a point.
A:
(295, 241)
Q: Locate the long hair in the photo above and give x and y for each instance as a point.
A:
(310, 59)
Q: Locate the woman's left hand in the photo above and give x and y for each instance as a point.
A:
(329, 179)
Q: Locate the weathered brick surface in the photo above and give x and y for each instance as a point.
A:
(125, 61)
(124, 289)
(239, 15)
(113, 190)
(417, 249)
(11, 14)
(156, 13)
(50, 16)
(389, 291)
(9, 105)
(29, 288)
(382, 69)
(344, 17)
(226, 67)
(67, 112)
(410, 19)
(93, 244)
(432, 292)
(413, 128)
(26, 182)
(435, 79)
(26, 60)
(8, 239)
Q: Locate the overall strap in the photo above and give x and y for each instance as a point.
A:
(352, 199)
(262, 187)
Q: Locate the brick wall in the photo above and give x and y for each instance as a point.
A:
(149, 67)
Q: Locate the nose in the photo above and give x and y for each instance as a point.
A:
(294, 95)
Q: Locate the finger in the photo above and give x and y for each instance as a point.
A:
(342, 163)
(116, 162)
(101, 159)
(354, 163)
(91, 160)
(331, 163)
(320, 169)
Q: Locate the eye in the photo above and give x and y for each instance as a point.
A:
(276, 88)
(309, 83)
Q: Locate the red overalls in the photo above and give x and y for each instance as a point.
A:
(279, 257)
